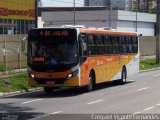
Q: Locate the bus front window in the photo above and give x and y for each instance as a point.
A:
(51, 52)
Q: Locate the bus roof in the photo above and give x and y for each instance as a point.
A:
(113, 32)
(94, 30)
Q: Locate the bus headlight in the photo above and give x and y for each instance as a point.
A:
(69, 76)
(32, 76)
(72, 74)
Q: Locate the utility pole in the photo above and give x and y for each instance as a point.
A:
(74, 13)
(147, 2)
(138, 4)
(158, 33)
(137, 9)
(110, 10)
(36, 13)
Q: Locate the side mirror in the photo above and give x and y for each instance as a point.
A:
(24, 42)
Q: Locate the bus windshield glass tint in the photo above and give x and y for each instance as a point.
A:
(52, 46)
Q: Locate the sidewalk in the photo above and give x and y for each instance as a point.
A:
(148, 57)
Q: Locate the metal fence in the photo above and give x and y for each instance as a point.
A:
(147, 45)
(11, 56)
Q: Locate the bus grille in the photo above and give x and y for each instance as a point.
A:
(57, 80)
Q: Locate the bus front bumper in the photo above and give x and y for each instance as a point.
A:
(72, 82)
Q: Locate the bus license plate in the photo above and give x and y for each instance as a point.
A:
(50, 82)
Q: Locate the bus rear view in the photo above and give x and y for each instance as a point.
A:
(52, 58)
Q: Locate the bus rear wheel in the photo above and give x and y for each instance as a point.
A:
(48, 90)
(123, 79)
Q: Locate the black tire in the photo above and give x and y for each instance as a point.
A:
(90, 86)
(123, 79)
(48, 90)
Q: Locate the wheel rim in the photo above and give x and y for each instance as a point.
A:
(124, 77)
(90, 85)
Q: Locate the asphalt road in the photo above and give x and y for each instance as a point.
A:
(141, 95)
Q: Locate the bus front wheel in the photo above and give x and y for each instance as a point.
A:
(48, 90)
(90, 86)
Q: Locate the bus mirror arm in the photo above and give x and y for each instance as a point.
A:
(83, 45)
(24, 45)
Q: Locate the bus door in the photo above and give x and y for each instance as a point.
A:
(82, 59)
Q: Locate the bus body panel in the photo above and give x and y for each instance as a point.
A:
(74, 81)
(133, 66)
(52, 76)
(108, 68)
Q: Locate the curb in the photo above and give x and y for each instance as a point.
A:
(150, 70)
(18, 92)
(12, 72)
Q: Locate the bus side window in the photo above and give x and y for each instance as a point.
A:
(122, 44)
(115, 42)
(108, 44)
(82, 45)
(100, 45)
(134, 44)
(128, 44)
(91, 45)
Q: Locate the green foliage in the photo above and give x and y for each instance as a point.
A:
(148, 64)
(153, 10)
(2, 68)
(14, 83)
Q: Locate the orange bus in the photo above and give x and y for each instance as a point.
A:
(72, 57)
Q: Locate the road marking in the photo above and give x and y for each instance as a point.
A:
(158, 104)
(156, 75)
(40, 117)
(148, 108)
(95, 101)
(46, 115)
(136, 113)
(142, 89)
(31, 101)
(131, 80)
(56, 112)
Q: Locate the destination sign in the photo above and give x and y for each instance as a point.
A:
(38, 59)
(53, 33)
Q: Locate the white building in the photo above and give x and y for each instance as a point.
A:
(99, 17)
(115, 4)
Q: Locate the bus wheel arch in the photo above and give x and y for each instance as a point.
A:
(91, 81)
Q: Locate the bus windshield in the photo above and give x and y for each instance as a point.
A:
(53, 50)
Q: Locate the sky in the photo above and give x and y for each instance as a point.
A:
(62, 3)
